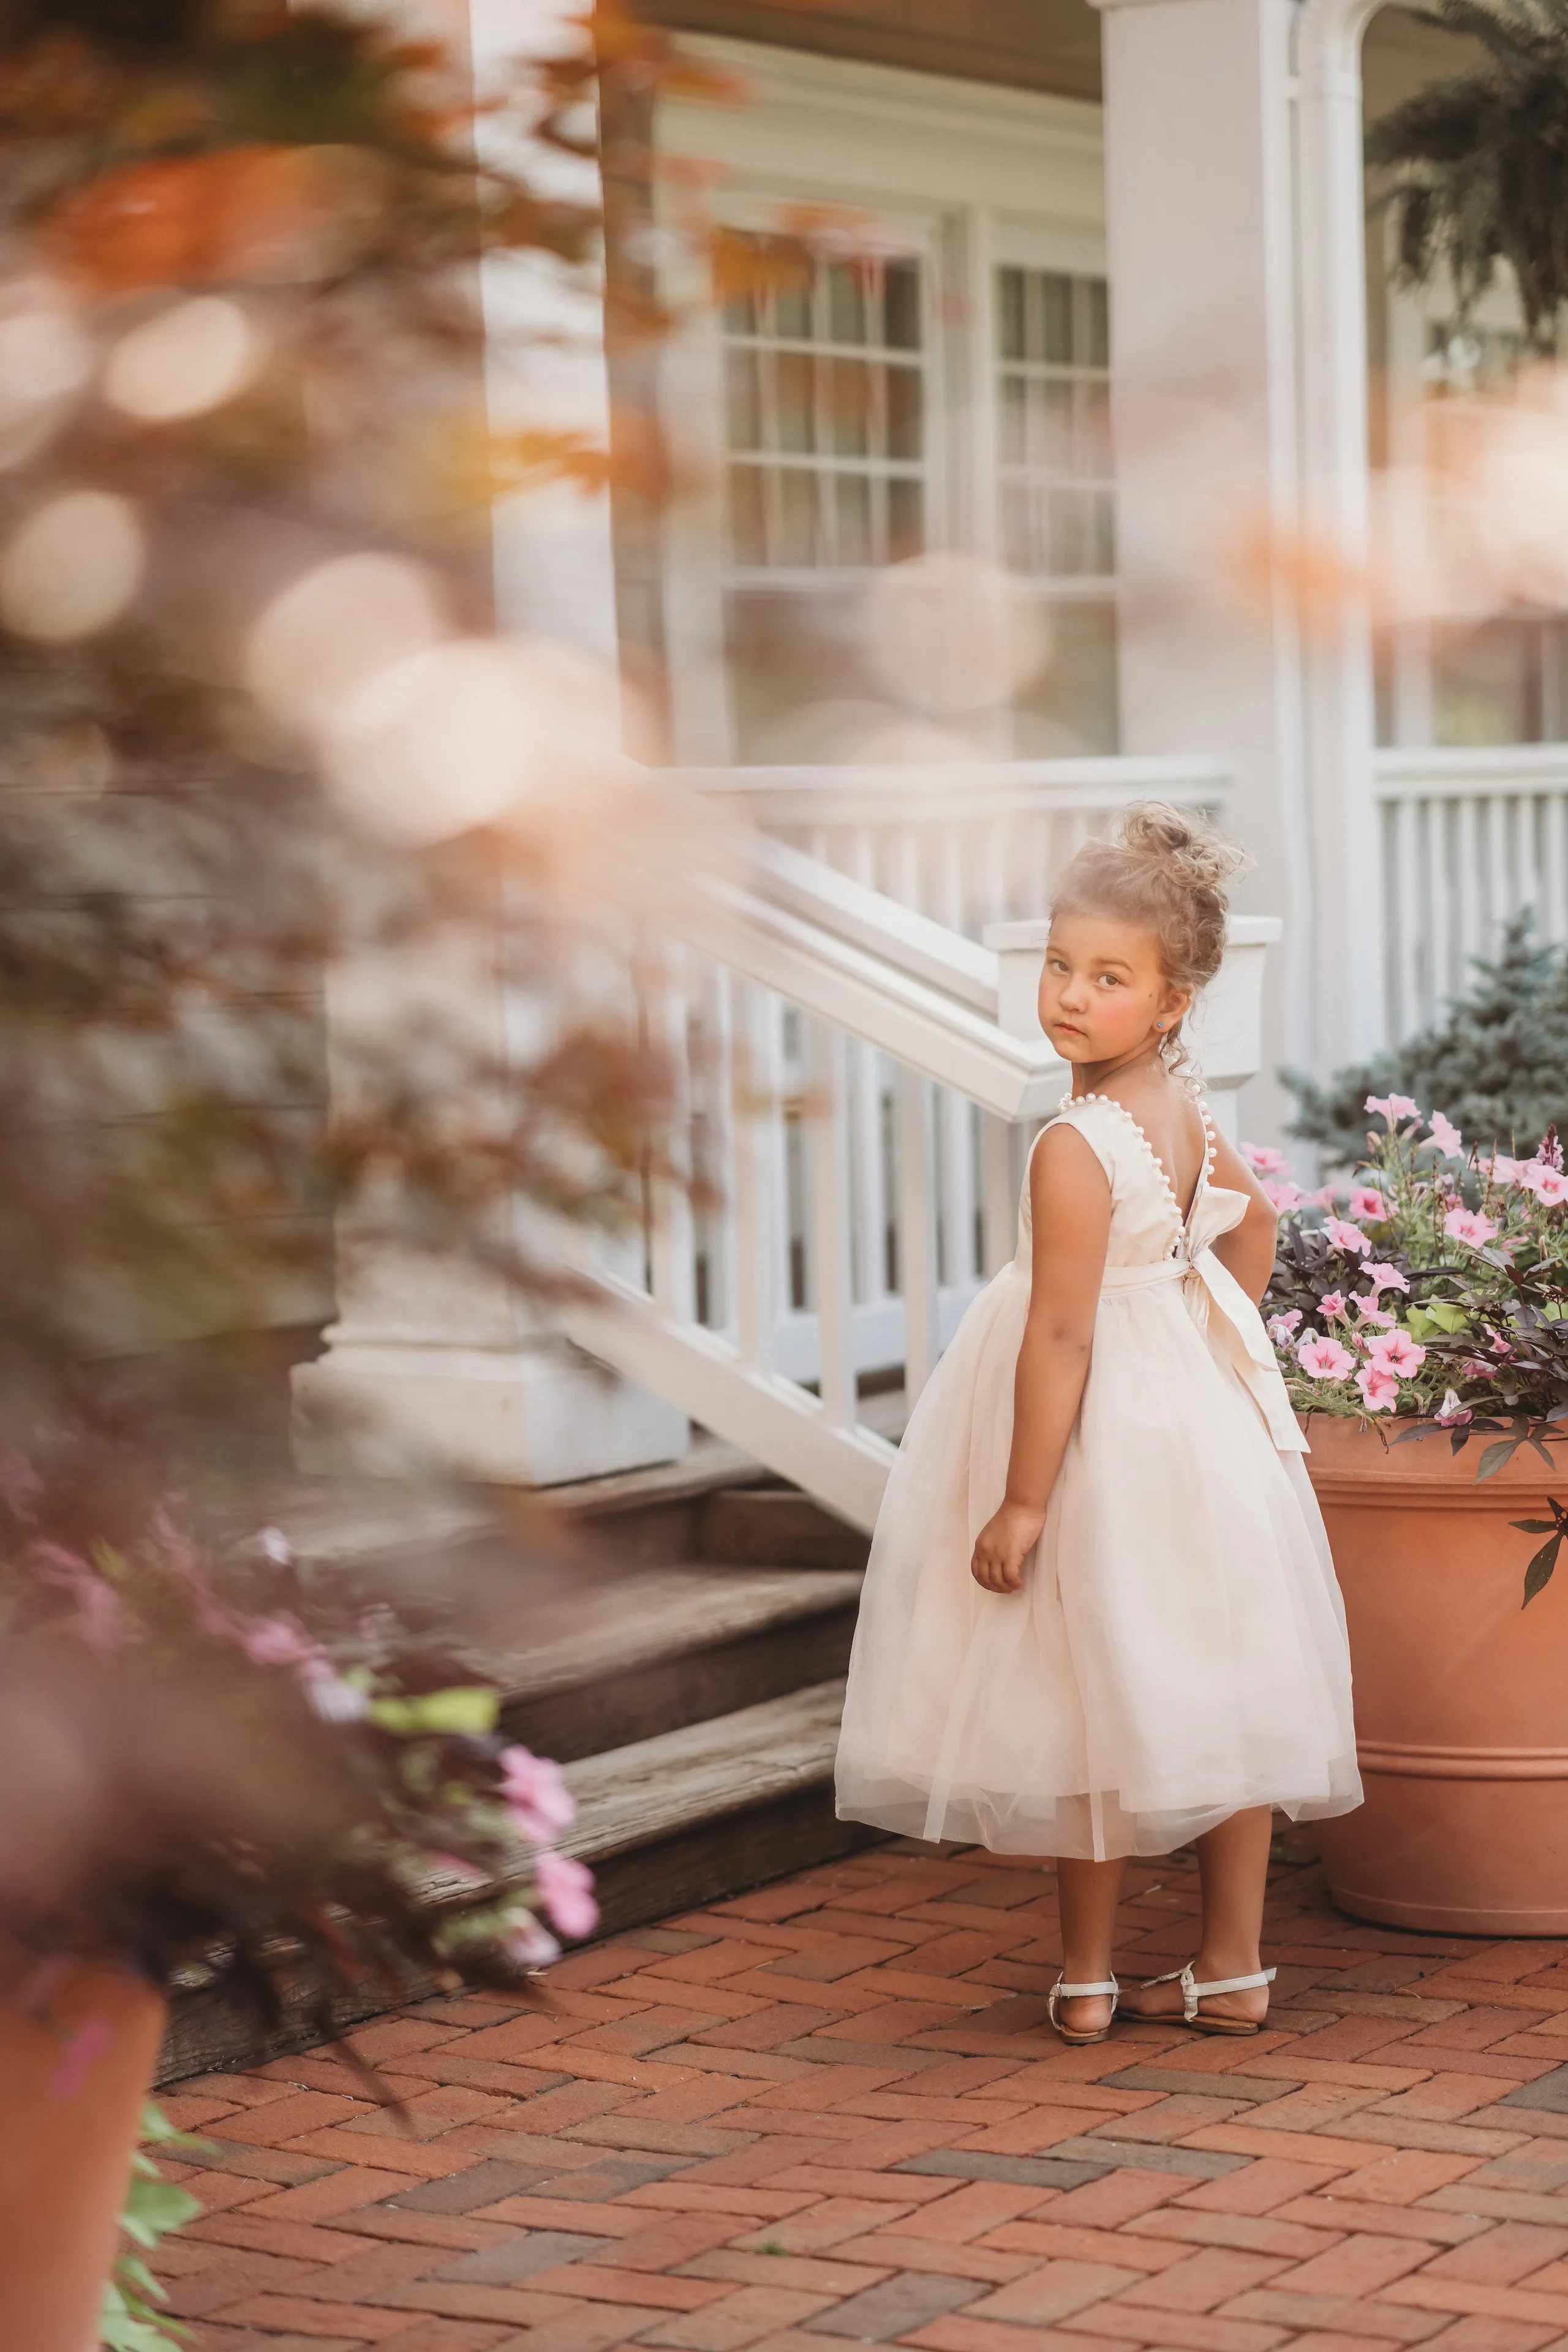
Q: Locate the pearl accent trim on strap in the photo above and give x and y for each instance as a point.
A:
(1071, 1102)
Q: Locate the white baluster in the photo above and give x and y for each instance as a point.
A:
(758, 1203)
(1466, 864)
(999, 1144)
(917, 1231)
(1438, 898)
(1497, 900)
(1554, 861)
(831, 1210)
(719, 1215)
(672, 1248)
(1407, 931)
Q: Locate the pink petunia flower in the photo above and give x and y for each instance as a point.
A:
(1445, 1135)
(1326, 1195)
(1280, 1327)
(1373, 1314)
(1502, 1169)
(1266, 1159)
(1393, 1108)
(1384, 1277)
(1469, 1225)
(536, 1795)
(1451, 1413)
(1324, 1360)
(1378, 1387)
(566, 1889)
(1397, 1353)
(1343, 1236)
(1549, 1185)
(1334, 1304)
(1283, 1197)
(1366, 1202)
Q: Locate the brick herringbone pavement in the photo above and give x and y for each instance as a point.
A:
(830, 2111)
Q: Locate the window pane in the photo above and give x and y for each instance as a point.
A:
(1051, 442)
(791, 304)
(1065, 510)
(905, 407)
(849, 408)
(745, 400)
(748, 533)
(845, 303)
(1092, 441)
(1010, 320)
(853, 503)
(1054, 342)
(1070, 706)
(797, 517)
(906, 519)
(796, 421)
(1102, 541)
(1094, 345)
(901, 305)
(1014, 393)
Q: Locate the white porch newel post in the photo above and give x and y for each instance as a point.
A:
(439, 1364)
(1233, 355)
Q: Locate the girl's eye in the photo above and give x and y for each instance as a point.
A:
(1109, 979)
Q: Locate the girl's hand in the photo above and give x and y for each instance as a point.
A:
(1002, 1545)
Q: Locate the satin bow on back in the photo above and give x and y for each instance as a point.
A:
(1220, 1301)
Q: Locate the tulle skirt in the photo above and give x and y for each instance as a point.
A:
(1178, 1650)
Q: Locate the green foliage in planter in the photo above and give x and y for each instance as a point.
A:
(1479, 161)
(131, 2320)
(1497, 1062)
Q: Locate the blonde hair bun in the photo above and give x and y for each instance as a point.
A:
(1165, 869)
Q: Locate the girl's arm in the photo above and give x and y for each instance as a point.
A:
(1247, 1251)
(1069, 1199)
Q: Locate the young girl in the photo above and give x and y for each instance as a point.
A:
(1100, 1617)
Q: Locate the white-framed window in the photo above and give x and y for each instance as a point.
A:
(910, 354)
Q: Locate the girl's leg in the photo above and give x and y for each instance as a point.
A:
(1087, 1895)
(1233, 1870)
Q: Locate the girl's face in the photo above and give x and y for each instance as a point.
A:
(1102, 991)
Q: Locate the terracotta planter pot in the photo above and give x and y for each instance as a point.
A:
(1461, 1696)
(65, 2148)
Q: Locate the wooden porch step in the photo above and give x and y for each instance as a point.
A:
(667, 1824)
(629, 1657)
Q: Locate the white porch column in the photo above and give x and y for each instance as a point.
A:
(439, 1364)
(1204, 271)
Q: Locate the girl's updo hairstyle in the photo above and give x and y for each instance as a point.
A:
(1165, 869)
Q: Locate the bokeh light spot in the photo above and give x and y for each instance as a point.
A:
(947, 633)
(188, 359)
(72, 568)
(330, 632)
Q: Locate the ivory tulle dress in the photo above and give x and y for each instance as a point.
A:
(1178, 1649)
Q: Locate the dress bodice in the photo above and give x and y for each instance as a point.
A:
(1146, 1221)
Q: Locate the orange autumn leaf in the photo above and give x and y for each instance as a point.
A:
(238, 214)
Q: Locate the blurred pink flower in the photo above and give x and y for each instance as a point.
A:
(1326, 1195)
(536, 1795)
(1445, 1135)
(1397, 1353)
(1281, 1326)
(1383, 1277)
(279, 1641)
(1333, 1303)
(1373, 1313)
(1451, 1413)
(328, 1695)
(1393, 1108)
(530, 1946)
(566, 1889)
(1324, 1360)
(1366, 1202)
(1343, 1236)
(1283, 1197)
(1502, 1169)
(1469, 1225)
(1266, 1159)
(101, 1618)
(1378, 1387)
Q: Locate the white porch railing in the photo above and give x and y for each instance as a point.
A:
(966, 846)
(816, 1021)
(1470, 838)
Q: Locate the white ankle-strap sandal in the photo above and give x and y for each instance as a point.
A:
(1192, 1992)
(1060, 1992)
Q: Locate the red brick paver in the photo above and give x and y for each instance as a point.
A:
(831, 2112)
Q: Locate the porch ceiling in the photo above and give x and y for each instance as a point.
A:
(1043, 45)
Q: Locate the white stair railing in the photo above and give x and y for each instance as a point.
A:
(1471, 837)
(819, 1026)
